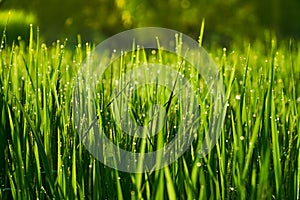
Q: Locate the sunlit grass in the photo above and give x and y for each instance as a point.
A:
(256, 157)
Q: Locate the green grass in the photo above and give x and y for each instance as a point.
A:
(256, 157)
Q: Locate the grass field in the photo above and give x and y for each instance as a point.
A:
(256, 157)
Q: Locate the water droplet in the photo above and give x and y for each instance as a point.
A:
(238, 97)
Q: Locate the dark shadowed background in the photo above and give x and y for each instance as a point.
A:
(96, 20)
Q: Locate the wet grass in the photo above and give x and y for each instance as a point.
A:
(256, 157)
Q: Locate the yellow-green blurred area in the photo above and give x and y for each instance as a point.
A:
(95, 20)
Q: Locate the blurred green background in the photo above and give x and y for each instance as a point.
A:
(96, 20)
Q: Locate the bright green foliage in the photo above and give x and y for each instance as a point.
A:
(256, 157)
